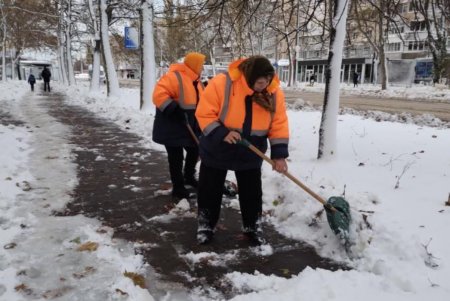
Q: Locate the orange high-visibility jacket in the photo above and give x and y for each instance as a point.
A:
(174, 91)
(168, 88)
(222, 108)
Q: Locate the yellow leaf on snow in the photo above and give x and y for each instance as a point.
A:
(88, 246)
(137, 279)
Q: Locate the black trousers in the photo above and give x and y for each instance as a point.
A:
(210, 190)
(46, 86)
(32, 87)
(175, 156)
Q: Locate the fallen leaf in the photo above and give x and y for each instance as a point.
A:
(88, 246)
(56, 293)
(10, 246)
(137, 279)
(23, 288)
(121, 292)
(84, 273)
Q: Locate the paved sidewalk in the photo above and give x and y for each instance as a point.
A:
(119, 181)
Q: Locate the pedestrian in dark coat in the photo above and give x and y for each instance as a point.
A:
(312, 79)
(46, 74)
(31, 81)
(355, 79)
(176, 96)
(246, 102)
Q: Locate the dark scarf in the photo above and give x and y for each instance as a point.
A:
(264, 100)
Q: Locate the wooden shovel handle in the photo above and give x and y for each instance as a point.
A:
(191, 131)
(287, 174)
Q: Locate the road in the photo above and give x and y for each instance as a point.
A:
(437, 108)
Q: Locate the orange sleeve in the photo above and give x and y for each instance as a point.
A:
(209, 106)
(279, 132)
(166, 91)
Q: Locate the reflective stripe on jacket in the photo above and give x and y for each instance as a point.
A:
(224, 106)
(176, 90)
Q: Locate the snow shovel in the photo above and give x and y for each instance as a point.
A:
(229, 188)
(337, 208)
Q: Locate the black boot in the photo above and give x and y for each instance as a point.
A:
(204, 236)
(181, 193)
(191, 181)
(255, 238)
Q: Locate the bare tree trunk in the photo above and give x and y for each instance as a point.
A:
(291, 66)
(148, 64)
(4, 59)
(60, 52)
(328, 124)
(212, 54)
(69, 44)
(16, 56)
(112, 83)
(3, 45)
(383, 62)
(95, 76)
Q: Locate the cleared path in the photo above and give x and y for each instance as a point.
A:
(119, 181)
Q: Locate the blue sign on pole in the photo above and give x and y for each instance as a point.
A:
(131, 38)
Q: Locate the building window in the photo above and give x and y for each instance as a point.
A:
(418, 26)
(417, 45)
(403, 8)
(397, 30)
(392, 47)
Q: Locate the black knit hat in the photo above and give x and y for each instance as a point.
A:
(255, 67)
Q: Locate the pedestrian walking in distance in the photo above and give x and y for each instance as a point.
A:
(246, 102)
(31, 81)
(46, 75)
(355, 79)
(176, 96)
(312, 79)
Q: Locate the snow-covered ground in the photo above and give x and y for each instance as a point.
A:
(396, 177)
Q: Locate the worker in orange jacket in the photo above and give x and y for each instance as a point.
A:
(176, 96)
(246, 102)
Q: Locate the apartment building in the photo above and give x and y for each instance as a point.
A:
(358, 55)
(406, 49)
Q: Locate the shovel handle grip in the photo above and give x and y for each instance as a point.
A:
(287, 174)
